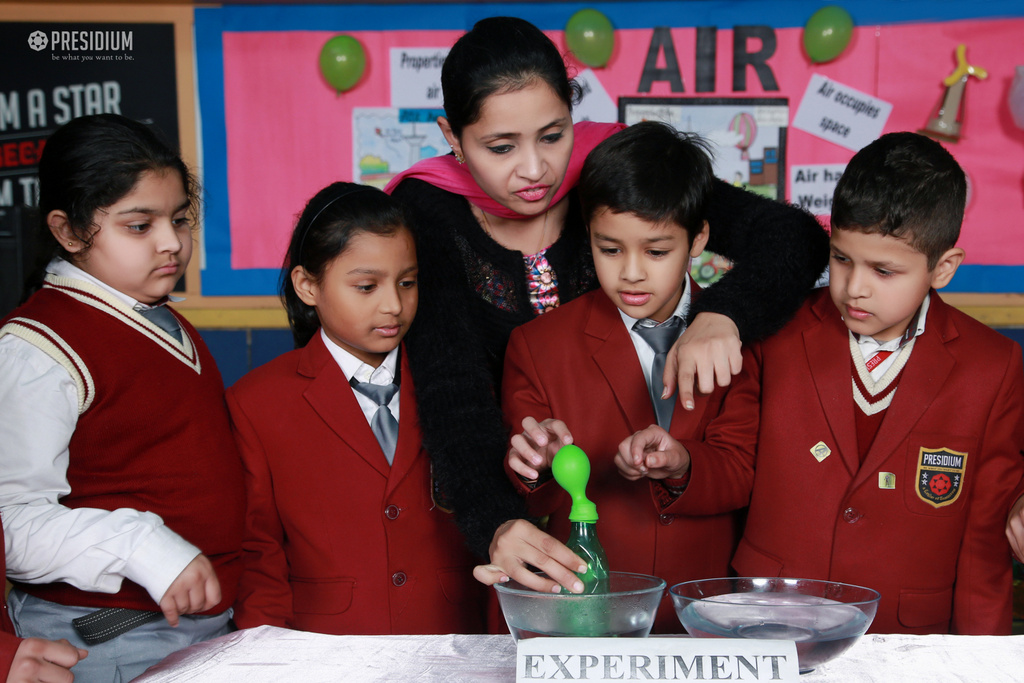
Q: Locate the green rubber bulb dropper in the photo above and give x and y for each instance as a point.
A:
(571, 469)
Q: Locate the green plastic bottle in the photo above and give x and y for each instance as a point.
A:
(584, 542)
(571, 469)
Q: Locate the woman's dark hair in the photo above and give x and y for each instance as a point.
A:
(88, 164)
(330, 220)
(500, 54)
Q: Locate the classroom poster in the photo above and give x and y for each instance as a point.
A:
(274, 132)
(66, 70)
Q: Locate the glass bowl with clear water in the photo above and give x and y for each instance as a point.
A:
(627, 610)
(825, 618)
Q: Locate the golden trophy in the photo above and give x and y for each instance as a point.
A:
(948, 116)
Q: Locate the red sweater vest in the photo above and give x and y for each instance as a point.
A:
(154, 435)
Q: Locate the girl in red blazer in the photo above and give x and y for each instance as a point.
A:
(343, 534)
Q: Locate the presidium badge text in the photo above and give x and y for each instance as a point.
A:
(81, 46)
(940, 475)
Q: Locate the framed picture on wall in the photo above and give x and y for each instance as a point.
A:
(748, 134)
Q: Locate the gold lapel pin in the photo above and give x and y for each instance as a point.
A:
(820, 451)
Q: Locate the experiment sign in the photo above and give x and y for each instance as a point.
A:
(67, 70)
(656, 659)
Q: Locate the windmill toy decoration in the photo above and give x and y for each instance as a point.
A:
(947, 120)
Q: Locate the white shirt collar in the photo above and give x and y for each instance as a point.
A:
(62, 268)
(869, 345)
(362, 372)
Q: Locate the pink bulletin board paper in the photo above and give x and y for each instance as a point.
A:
(908, 63)
(991, 149)
(289, 134)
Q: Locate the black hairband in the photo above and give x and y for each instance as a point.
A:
(349, 190)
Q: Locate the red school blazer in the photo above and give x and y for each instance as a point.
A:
(941, 562)
(336, 540)
(578, 364)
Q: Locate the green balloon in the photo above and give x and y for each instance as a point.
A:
(827, 33)
(590, 36)
(571, 468)
(342, 62)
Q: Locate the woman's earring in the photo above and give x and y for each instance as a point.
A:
(71, 244)
(458, 157)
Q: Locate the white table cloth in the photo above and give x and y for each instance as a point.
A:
(274, 655)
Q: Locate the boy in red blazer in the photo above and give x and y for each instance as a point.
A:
(889, 425)
(585, 373)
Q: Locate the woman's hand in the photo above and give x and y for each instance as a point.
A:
(516, 544)
(490, 574)
(706, 353)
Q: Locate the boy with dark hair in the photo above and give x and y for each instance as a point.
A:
(888, 424)
(589, 373)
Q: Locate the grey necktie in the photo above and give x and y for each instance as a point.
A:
(163, 319)
(660, 338)
(383, 423)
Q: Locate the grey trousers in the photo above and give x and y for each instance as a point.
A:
(118, 660)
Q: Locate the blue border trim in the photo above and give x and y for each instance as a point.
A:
(552, 16)
(987, 279)
(219, 279)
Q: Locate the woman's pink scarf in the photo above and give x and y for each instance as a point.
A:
(448, 174)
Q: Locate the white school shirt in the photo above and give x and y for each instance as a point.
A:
(362, 372)
(644, 352)
(869, 346)
(45, 542)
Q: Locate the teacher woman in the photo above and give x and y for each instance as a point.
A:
(501, 240)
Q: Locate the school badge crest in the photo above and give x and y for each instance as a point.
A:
(940, 475)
